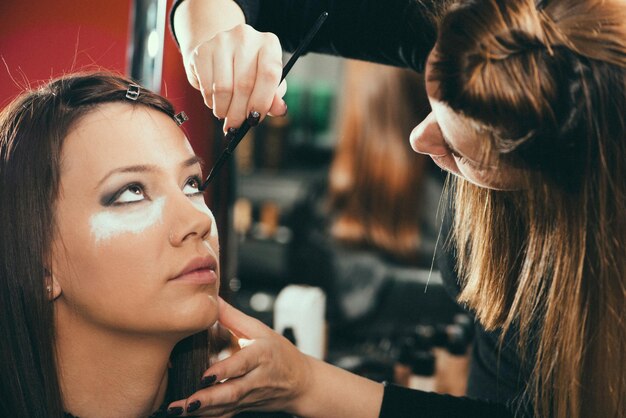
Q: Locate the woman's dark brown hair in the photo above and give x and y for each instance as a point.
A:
(32, 130)
(375, 178)
(546, 87)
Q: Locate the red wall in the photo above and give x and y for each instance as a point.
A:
(40, 39)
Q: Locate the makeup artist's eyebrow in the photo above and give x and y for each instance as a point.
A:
(143, 168)
(456, 153)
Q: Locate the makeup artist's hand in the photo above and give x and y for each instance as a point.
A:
(238, 71)
(267, 374)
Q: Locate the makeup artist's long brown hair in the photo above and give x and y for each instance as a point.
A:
(32, 130)
(546, 85)
(375, 178)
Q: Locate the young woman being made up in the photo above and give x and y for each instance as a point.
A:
(109, 256)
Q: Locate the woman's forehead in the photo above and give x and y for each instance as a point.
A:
(120, 134)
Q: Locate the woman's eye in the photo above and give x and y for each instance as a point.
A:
(132, 193)
(192, 186)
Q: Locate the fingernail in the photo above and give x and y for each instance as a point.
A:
(175, 411)
(208, 381)
(230, 133)
(285, 114)
(195, 405)
(253, 118)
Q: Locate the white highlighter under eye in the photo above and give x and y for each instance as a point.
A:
(107, 224)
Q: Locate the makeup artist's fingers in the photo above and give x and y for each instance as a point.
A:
(190, 71)
(240, 324)
(198, 66)
(219, 398)
(199, 69)
(279, 107)
(269, 71)
(238, 71)
(234, 396)
(245, 52)
(254, 391)
(222, 87)
(244, 77)
(266, 374)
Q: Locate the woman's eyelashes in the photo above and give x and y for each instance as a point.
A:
(192, 186)
(130, 193)
(463, 160)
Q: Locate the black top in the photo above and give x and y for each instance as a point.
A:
(402, 33)
(399, 402)
(395, 32)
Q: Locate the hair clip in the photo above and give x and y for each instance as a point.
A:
(133, 92)
(181, 118)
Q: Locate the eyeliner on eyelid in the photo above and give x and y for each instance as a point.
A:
(109, 198)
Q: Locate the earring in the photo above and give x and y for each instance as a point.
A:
(49, 289)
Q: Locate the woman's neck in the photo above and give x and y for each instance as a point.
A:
(104, 373)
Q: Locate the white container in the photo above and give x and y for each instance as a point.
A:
(303, 308)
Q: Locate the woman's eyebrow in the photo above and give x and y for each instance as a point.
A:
(142, 168)
(128, 169)
(193, 160)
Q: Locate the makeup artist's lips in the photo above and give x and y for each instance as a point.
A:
(199, 271)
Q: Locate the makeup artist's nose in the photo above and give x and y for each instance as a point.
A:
(426, 138)
(191, 219)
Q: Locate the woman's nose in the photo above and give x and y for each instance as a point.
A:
(192, 218)
(426, 138)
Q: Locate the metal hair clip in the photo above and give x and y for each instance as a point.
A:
(133, 92)
(181, 118)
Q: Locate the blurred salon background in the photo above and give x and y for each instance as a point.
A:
(323, 234)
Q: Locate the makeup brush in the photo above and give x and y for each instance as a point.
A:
(247, 124)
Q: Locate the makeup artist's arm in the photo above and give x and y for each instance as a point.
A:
(272, 375)
(236, 68)
(395, 32)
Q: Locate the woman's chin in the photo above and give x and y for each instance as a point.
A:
(195, 317)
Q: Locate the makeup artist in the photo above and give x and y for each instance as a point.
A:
(528, 114)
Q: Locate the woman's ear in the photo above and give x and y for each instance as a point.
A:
(53, 287)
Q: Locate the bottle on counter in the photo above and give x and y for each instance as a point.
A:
(453, 361)
(415, 364)
(423, 371)
(402, 366)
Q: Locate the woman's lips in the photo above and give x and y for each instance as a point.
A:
(200, 270)
(199, 276)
